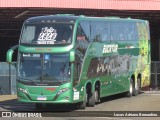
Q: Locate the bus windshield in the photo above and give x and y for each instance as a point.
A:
(44, 67)
(47, 33)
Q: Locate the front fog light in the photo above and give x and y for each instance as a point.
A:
(23, 90)
(62, 91)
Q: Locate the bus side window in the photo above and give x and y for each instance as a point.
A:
(100, 31)
(80, 35)
(121, 36)
(114, 36)
(121, 31)
(95, 31)
(83, 31)
(130, 27)
(105, 32)
(104, 37)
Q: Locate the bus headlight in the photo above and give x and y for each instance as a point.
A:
(62, 91)
(23, 90)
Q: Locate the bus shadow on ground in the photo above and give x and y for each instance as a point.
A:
(115, 97)
(15, 106)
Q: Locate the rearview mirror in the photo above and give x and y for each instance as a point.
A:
(10, 52)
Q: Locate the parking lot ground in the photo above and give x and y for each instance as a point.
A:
(10, 97)
(7, 97)
(146, 101)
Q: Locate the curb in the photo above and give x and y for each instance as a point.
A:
(151, 92)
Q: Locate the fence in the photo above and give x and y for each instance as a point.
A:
(155, 75)
(7, 78)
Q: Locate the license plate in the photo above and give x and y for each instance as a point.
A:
(41, 98)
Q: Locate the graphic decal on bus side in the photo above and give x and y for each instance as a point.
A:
(144, 60)
(109, 65)
(47, 36)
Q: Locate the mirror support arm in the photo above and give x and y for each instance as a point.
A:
(10, 54)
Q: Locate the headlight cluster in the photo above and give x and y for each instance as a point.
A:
(62, 91)
(23, 90)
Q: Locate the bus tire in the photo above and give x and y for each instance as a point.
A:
(137, 87)
(130, 92)
(97, 99)
(91, 99)
(97, 93)
(82, 105)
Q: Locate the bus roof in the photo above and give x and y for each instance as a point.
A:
(70, 18)
(52, 18)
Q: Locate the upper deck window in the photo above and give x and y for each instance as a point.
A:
(47, 33)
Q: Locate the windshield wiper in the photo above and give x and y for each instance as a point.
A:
(59, 82)
(47, 78)
(28, 80)
(64, 81)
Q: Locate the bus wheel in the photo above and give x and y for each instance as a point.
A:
(97, 99)
(83, 104)
(137, 87)
(130, 92)
(91, 99)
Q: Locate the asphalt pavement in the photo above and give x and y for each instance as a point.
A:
(146, 103)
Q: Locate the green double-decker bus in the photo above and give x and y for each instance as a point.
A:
(67, 59)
